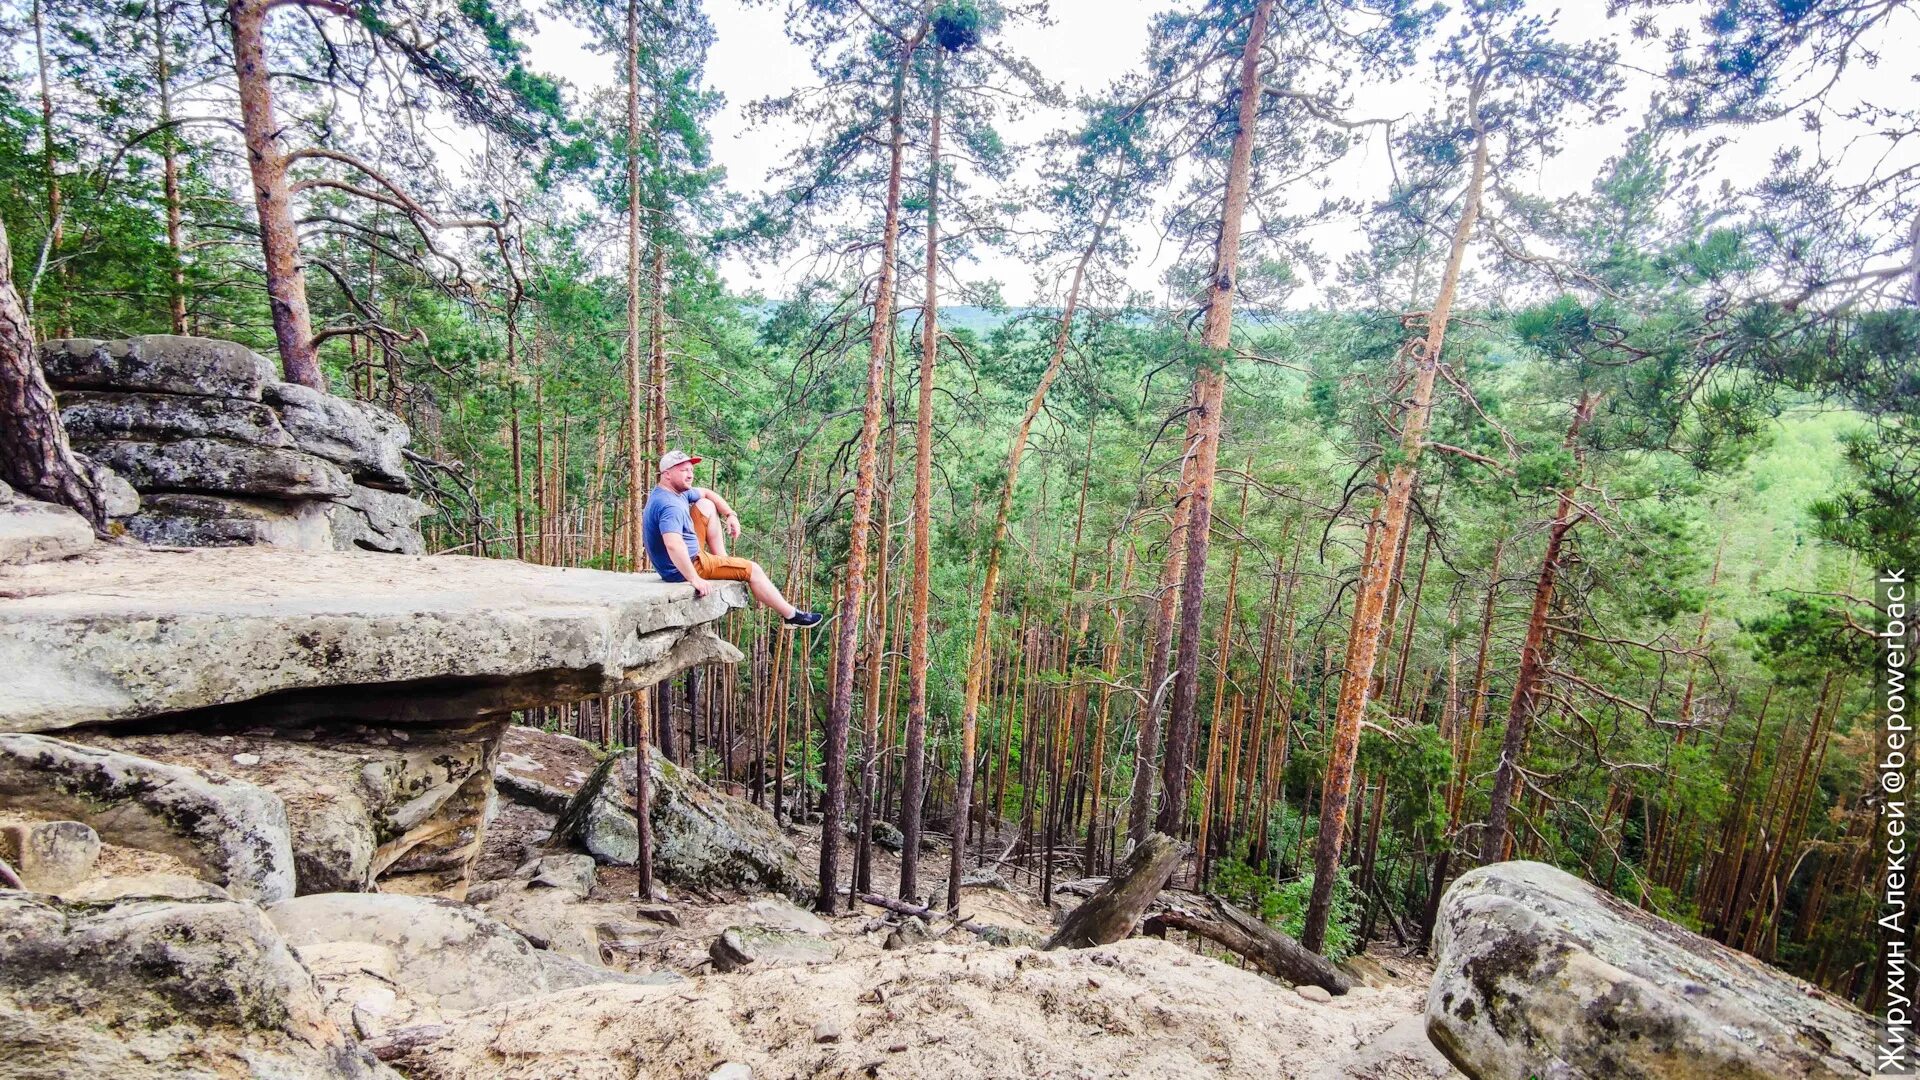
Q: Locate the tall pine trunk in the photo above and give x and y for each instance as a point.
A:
(917, 650)
(657, 346)
(170, 180)
(1526, 682)
(980, 658)
(279, 240)
(1363, 641)
(1203, 444)
(879, 353)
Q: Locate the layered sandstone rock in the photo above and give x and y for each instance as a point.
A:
(160, 988)
(700, 837)
(226, 454)
(126, 635)
(1542, 974)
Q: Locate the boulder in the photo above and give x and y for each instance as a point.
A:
(568, 873)
(133, 634)
(156, 886)
(566, 923)
(234, 834)
(761, 947)
(50, 856)
(886, 835)
(445, 954)
(156, 988)
(117, 497)
(700, 837)
(218, 466)
(549, 919)
(363, 803)
(363, 438)
(157, 362)
(565, 973)
(33, 531)
(356, 984)
(93, 414)
(1541, 974)
(543, 769)
(182, 520)
(372, 520)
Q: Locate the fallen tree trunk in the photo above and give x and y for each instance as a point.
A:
(1270, 950)
(400, 1042)
(1273, 952)
(1117, 905)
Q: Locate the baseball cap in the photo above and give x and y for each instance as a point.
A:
(675, 457)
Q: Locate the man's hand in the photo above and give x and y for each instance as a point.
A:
(732, 522)
(701, 587)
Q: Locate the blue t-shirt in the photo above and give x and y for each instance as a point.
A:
(665, 515)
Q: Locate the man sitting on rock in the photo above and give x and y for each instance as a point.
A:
(686, 530)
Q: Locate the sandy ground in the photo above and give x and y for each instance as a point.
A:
(947, 1006)
(944, 1005)
(1139, 1008)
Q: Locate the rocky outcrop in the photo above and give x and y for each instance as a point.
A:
(232, 833)
(50, 856)
(364, 803)
(215, 466)
(145, 989)
(126, 635)
(34, 531)
(204, 429)
(700, 837)
(543, 769)
(1542, 974)
(371, 520)
(93, 415)
(447, 954)
(364, 439)
(182, 520)
(159, 363)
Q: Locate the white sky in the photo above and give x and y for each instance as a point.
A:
(1088, 43)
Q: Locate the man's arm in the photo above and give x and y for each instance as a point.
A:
(727, 517)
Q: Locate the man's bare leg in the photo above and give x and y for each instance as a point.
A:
(716, 535)
(765, 591)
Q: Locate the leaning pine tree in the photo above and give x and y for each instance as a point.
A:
(1518, 83)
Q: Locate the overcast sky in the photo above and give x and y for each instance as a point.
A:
(1089, 43)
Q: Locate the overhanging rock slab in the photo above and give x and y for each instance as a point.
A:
(116, 636)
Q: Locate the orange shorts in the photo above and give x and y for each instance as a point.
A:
(711, 566)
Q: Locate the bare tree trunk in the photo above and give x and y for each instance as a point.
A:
(1112, 911)
(279, 240)
(1363, 642)
(875, 665)
(657, 337)
(1463, 748)
(170, 181)
(56, 217)
(979, 659)
(1270, 950)
(1526, 681)
(879, 355)
(1147, 743)
(34, 456)
(917, 650)
(638, 469)
(513, 429)
(1203, 444)
(1110, 667)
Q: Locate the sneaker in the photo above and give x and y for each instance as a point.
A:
(800, 620)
